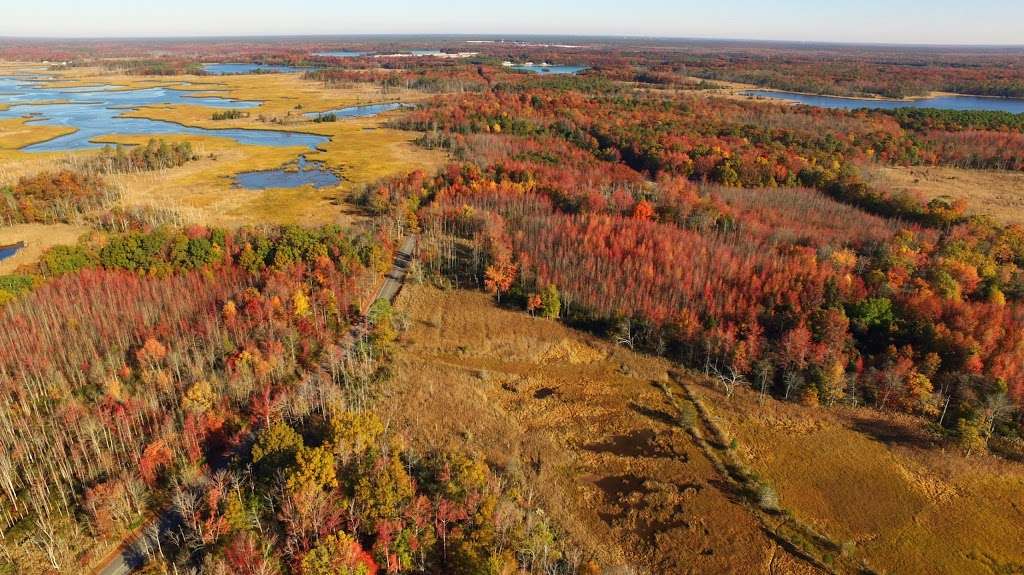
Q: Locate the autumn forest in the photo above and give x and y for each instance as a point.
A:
(186, 393)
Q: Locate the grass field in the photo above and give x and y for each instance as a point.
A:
(584, 426)
(38, 238)
(877, 480)
(994, 193)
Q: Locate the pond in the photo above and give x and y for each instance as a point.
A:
(1012, 105)
(541, 69)
(341, 54)
(366, 111)
(296, 175)
(95, 111)
(10, 250)
(227, 69)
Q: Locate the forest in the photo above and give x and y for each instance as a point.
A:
(162, 368)
(231, 377)
(850, 71)
(741, 239)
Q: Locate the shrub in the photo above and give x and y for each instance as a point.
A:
(229, 115)
(61, 260)
(52, 197)
(767, 499)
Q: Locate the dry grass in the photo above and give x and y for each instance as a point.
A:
(584, 423)
(203, 191)
(988, 192)
(877, 480)
(584, 427)
(38, 238)
(15, 133)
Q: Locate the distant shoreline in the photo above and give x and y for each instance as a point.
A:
(929, 96)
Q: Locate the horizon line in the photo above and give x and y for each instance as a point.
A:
(498, 35)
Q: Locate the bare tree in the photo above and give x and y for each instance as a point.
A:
(729, 379)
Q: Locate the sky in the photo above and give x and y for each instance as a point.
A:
(871, 21)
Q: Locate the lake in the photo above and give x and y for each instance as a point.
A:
(341, 54)
(1012, 105)
(291, 176)
(95, 111)
(231, 69)
(360, 111)
(537, 69)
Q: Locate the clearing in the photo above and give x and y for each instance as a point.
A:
(38, 238)
(584, 424)
(878, 480)
(988, 192)
(588, 427)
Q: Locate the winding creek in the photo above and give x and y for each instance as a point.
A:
(97, 111)
(364, 111)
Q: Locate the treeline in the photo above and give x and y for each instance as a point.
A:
(229, 115)
(330, 491)
(322, 118)
(438, 79)
(167, 250)
(925, 119)
(68, 195)
(861, 72)
(53, 197)
(149, 67)
(155, 155)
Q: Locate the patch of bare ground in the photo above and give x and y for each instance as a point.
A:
(578, 425)
(909, 504)
(993, 193)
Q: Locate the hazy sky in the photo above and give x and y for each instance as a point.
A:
(896, 21)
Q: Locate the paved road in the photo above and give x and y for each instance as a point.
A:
(137, 548)
(396, 276)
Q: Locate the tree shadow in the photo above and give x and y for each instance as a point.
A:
(655, 414)
(890, 432)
